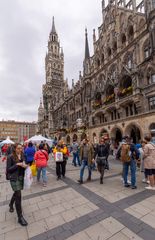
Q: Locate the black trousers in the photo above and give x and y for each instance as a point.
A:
(61, 168)
(101, 169)
(16, 198)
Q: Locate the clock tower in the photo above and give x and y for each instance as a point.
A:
(53, 88)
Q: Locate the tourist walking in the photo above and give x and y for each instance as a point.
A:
(75, 150)
(41, 159)
(61, 156)
(87, 159)
(29, 153)
(15, 173)
(149, 162)
(101, 156)
(128, 155)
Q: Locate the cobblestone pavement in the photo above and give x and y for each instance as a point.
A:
(66, 210)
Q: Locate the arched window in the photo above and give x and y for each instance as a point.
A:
(114, 46)
(123, 39)
(98, 62)
(128, 60)
(109, 51)
(147, 49)
(130, 33)
(150, 76)
(113, 73)
(141, 24)
(102, 58)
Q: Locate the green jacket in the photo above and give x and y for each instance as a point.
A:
(90, 153)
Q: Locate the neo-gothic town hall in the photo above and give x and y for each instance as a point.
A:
(115, 92)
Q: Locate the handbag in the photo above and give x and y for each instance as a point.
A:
(59, 157)
(33, 169)
(101, 160)
(28, 178)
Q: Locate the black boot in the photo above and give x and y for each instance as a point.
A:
(22, 221)
(101, 180)
(11, 208)
(11, 203)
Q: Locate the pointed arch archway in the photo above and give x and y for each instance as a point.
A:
(116, 134)
(134, 131)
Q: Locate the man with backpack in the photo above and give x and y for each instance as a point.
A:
(128, 155)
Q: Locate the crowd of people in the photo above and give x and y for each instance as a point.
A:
(84, 155)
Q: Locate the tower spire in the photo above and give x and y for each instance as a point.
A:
(41, 105)
(53, 26)
(87, 55)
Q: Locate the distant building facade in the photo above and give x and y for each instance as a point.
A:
(17, 131)
(115, 94)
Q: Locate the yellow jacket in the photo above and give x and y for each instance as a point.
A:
(63, 150)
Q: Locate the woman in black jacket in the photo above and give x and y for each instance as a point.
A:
(101, 156)
(15, 173)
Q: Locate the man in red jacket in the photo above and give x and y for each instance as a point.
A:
(41, 158)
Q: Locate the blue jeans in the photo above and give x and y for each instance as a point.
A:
(132, 165)
(76, 156)
(43, 171)
(83, 165)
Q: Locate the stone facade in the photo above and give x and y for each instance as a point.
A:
(115, 94)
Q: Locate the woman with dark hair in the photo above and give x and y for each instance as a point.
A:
(149, 162)
(29, 153)
(101, 155)
(41, 158)
(15, 173)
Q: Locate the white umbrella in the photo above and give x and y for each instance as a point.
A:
(38, 139)
(7, 141)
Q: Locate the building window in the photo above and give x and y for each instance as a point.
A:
(152, 102)
(147, 51)
(151, 78)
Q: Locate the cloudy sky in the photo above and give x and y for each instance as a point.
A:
(24, 31)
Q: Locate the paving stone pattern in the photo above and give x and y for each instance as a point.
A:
(66, 210)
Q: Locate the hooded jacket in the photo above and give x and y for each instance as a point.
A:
(41, 158)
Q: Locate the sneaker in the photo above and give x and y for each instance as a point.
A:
(80, 181)
(133, 187)
(150, 188)
(144, 181)
(44, 184)
(127, 185)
